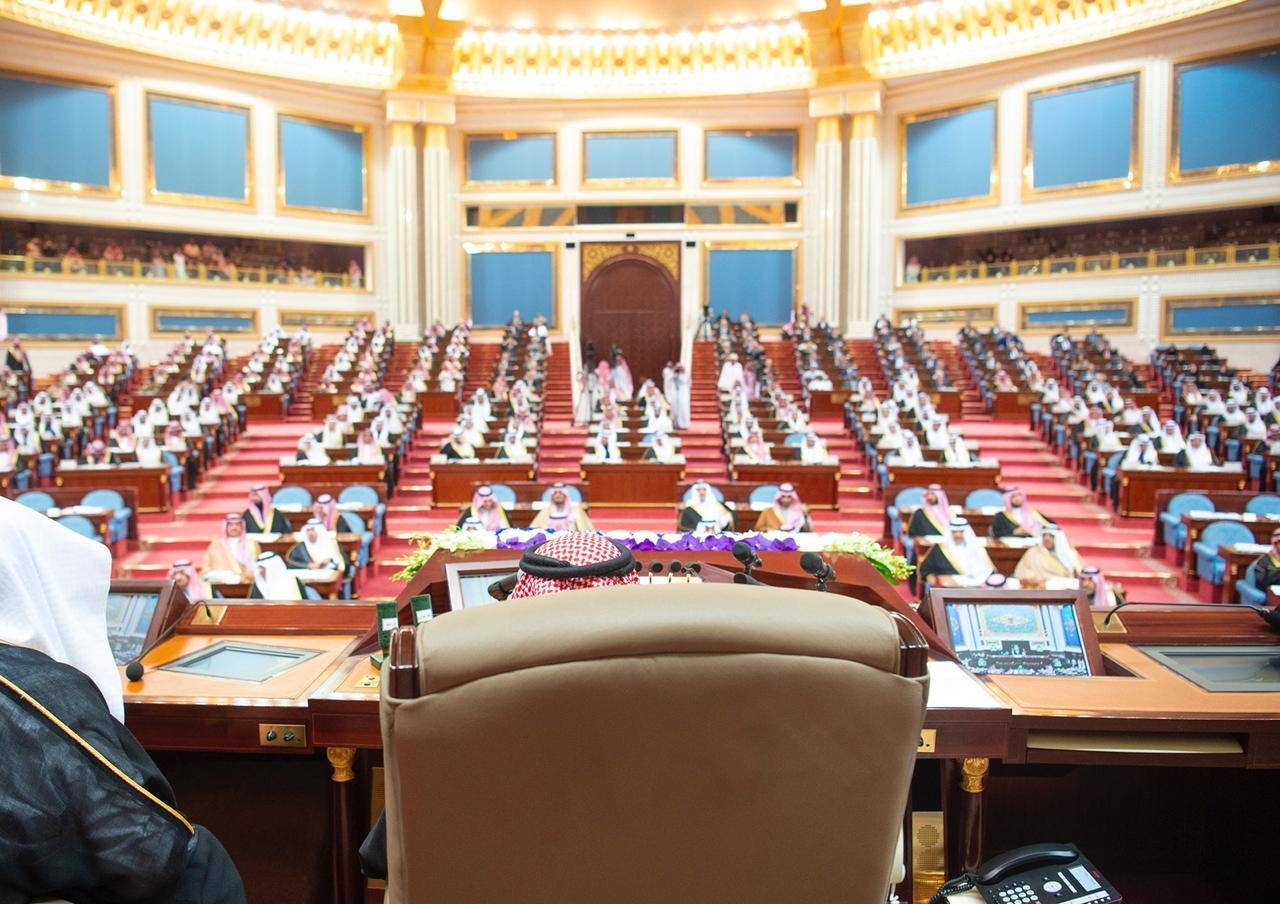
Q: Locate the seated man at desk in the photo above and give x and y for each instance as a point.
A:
(934, 516)
(96, 453)
(368, 452)
(755, 449)
(704, 508)
(272, 580)
(1266, 571)
(956, 454)
(1197, 456)
(232, 552)
(1171, 440)
(184, 574)
(1140, 454)
(1017, 519)
(484, 512)
(1051, 558)
(813, 451)
(311, 452)
(661, 449)
(909, 453)
(959, 560)
(787, 513)
(606, 446)
(318, 549)
(512, 446)
(561, 512)
(1098, 591)
(456, 447)
(261, 517)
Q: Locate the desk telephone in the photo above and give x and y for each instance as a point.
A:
(1036, 874)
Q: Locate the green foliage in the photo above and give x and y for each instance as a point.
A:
(452, 539)
(893, 567)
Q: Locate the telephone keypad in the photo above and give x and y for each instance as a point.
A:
(1017, 893)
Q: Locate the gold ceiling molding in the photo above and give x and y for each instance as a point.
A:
(906, 37)
(666, 254)
(245, 35)
(731, 60)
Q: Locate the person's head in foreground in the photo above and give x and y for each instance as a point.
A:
(574, 560)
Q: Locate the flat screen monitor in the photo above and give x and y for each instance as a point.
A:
(469, 582)
(129, 617)
(1018, 632)
(239, 661)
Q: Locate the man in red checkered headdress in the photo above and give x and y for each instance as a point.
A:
(574, 561)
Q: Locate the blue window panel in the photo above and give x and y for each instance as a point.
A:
(505, 281)
(1229, 113)
(1103, 316)
(758, 281)
(229, 323)
(631, 156)
(528, 159)
(1226, 317)
(57, 325)
(324, 166)
(61, 133)
(1104, 113)
(951, 157)
(198, 149)
(742, 155)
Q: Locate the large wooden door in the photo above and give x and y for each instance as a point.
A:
(631, 298)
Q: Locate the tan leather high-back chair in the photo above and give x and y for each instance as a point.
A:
(666, 744)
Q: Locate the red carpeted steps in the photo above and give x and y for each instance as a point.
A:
(703, 442)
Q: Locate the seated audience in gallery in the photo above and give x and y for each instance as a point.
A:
(272, 580)
(786, 513)
(703, 508)
(1053, 557)
(183, 573)
(1197, 456)
(233, 552)
(456, 447)
(317, 549)
(261, 517)
(1017, 518)
(933, 518)
(959, 557)
(1266, 570)
(561, 512)
(484, 512)
(310, 452)
(661, 449)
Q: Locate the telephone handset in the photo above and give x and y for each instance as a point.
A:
(1036, 874)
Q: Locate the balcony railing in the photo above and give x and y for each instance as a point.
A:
(45, 267)
(1116, 261)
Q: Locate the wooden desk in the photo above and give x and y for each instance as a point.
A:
(1004, 555)
(1013, 405)
(439, 404)
(632, 483)
(817, 485)
(1238, 558)
(827, 403)
(958, 482)
(240, 590)
(1138, 487)
(947, 401)
(1223, 501)
(264, 405)
(324, 404)
(452, 481)
(1260, 527)
(341, 474)
(151, 484)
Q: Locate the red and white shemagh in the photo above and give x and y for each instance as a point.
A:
(576, 548)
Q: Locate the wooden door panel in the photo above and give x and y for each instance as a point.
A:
(632, 301)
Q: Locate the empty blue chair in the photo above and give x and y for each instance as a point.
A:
(764, 494)
(21, 480)
(1266, 504)
(569, 490)
(1110, 471)
(1247, 587)
(354, 524)
(794, 439)
(1175, 534)
(309, 592)
(45, 464)
(1232, 451)
(110, 499)
(291, 495)
(366, 495)
(907, 497)
(176, 471)
(36, 501)
(81, 525)
(984, 498)
(1209, 565)
(1255, 467)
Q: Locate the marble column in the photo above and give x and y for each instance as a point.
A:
(863, 221)
(828, 188)
(439, 252)
(404, 240)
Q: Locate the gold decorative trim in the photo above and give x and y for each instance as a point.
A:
(747, 181)
(286, 41)
(794, 246)
(67, 307)
(155, 312)
(469, 184)
(991, 198)
(1170, 303)
(610, 65)
(154, 195)
(365, 215)
(342, 760)
(470, 248)
(667, 254)
(1128, 325)
(641, 182)
(864, 125)
(326, 321)
(402, 135)
(1173, 164)
(975, 315)
(53, 186)
(973, 774)
(1132, 180)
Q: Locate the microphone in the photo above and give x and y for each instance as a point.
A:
(821, 571)
(743, 578)
(501, 588)
(694, 569)
(655, 568)
(134, 669)
(674, 569)
(1270, 616)
(746, 555)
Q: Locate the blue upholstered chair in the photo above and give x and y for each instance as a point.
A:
(763, 495)
(569, 489)
(794, 439)
(352, 523)
(45, 465)
(310, 593)
(1110, 472)
(1250, 593)
(36, 501)
(110, 499)
(1209, 565)
(291, 495)
(984, 498)
(1266, 504)
(503, 493)
(81, 525)
(1175, 533)
(366, 495)
(907, 496)
(176, 471)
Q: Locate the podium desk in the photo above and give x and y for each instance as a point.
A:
(265, 405)
(1138, 486)
(958, 482)
(151, 484)
(334, 473)
(452, 482)
(817, 485)
(632, 483)
(827, 402)
(436, 403)
(1012, 405)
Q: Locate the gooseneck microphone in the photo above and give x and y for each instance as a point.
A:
(747, 556)
(501, 588)
(1270, 616)
(655, 569)
(134, 669)
(820, 569)
(743, 578)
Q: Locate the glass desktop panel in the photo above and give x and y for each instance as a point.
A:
(1017, 639)
(240, 661)
(1247, 669)
(129, 618)
(475, 588)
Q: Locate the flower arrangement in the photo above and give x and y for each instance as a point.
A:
(451, 539)
(893, 567)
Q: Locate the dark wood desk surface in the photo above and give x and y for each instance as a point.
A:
(341, 474)
(453, 482)
(151, 484)
(817, 485)
(958, 482)
(632, 483)
(1138, 487)
(1260, 527)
